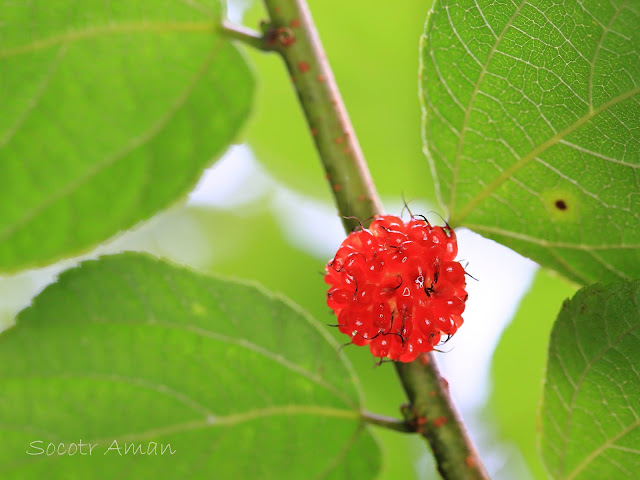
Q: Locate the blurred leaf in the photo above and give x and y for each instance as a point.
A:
(110, 112)
(518, 366)
(533, 128)
(374, 61)
(591, 404)
(127, 348)
(272, 261)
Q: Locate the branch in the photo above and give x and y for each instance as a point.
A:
(291, 33)
(434, 415)
(386, 422)
(244, 34)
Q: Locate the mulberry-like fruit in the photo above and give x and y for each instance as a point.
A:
(396, 287)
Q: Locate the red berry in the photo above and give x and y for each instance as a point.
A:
(397, 288)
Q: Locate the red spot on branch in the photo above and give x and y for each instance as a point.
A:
(470, 461)
(418, 424)
(314, 132)
(295, 23)
(321, 78)
(285, 36)
(303, 66)
(424, 359)
(337, 187)
(440, 421)
(339, 140)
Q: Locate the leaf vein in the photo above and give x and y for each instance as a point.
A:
(110, 160)
(589, 458)
(525, 159)
(103, 30)
(474, 93)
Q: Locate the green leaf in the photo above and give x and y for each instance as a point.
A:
(374, 62)
(110, 112)
(127, 348)
(591, 403)
(532, 127)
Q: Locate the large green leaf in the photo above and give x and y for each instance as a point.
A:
(532, 127)
(591, 404)
(127, 348)
(110, 111)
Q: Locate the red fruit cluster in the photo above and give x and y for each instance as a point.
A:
(396, 287)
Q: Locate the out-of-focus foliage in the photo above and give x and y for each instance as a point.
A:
(373, 50)
(518, 366)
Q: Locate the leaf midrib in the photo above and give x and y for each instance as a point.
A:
(105, 30)
(457, 218)
(226, 421)
(609, 443)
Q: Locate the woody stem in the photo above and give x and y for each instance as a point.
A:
(291, 32)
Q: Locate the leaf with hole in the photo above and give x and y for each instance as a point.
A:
(591, 404)
(239, 383)
(110, 112)
(532, 127)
